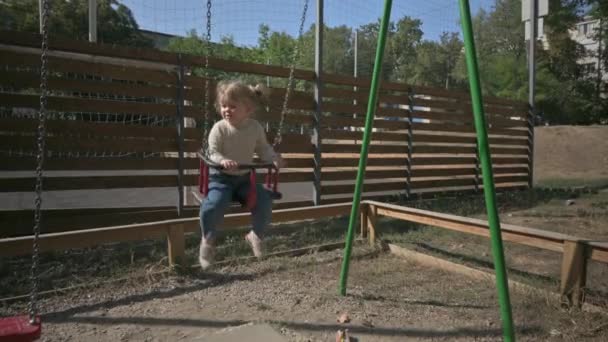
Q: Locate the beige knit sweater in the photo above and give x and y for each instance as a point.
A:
(239, 143)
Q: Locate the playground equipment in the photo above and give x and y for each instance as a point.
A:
(175, 230)
(28, 328)
(272, 173)
(484, 155)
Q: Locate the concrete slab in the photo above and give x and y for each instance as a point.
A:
(246, 333)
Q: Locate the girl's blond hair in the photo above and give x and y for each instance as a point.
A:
(237, 91)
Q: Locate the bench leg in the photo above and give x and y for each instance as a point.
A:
(176, 245)
(574, 274)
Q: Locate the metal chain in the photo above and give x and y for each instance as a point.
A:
(206, 75)
(296, 53)
(33, 309)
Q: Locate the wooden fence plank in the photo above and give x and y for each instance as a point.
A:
(369, 174)
(392, 149)
(375, 187)
(414, 184)
(420, 137)
(465, 160)
(336, 121)
(333, 121)
(24, 80)
(70, 104)
(362, 95)
(64, 144)
(71, 65)
(26, 184)
(454, 112)
(417, 173)
(373, 148)
(354, 161)
(291, 118)
(102, 164)
(100, 129)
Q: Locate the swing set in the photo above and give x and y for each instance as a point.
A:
(28, 327)
(272, 172)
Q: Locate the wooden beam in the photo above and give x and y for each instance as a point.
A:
(522, 235)
(599, 251)
(527, 236)
(155, 230)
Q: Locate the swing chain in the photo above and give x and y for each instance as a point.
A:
(290, 81)
(33, 310)
(207, 83)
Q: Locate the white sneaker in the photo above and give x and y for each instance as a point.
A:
(257, 246)
(206, 252)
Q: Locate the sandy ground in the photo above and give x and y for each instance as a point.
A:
(388, 300)
(570, 153)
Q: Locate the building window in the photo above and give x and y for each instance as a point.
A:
(588, 68)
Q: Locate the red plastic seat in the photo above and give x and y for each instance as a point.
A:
(19, 329)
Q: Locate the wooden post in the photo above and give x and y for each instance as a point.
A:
(371, 223)
(179, 120)
(318, 89)
(410, 97)
(532, 87)
(176, 244)
(364, 209)
(477, 171)
(574, 273)
(531, 119)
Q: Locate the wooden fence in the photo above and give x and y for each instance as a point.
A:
(135, 114)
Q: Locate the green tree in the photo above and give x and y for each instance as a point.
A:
(437, 62)
(276, 48)
(404, 39)
(599, 10)
(116, 24)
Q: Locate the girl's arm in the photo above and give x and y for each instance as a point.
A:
(215, 139)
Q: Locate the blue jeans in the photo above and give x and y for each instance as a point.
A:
(223, 190)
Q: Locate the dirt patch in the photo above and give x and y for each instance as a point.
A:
(389, 300)
(570, 153)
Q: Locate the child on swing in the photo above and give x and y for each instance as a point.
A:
(232, 141)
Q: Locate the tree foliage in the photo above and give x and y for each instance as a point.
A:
(116, 24)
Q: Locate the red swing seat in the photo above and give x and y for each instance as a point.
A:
(19, 329)
(271, 180)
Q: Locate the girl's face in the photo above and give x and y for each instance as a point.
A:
(235, 112)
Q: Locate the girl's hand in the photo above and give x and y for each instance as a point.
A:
(229, 164)
(279, 162)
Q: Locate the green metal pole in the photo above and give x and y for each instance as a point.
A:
(488, 178)
(369, 121)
